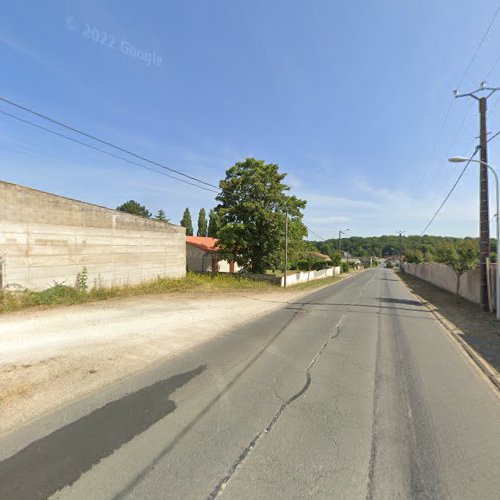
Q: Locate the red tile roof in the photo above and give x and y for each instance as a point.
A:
(204, 243)
(319, 255)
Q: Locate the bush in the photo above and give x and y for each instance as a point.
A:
(336, 259)
(303, 265)
(345, 267)
(57, 294)
(322, 264)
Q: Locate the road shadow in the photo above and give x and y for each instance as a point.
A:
(407, 302)
(59, 459)
(375, 307)
(480, 329)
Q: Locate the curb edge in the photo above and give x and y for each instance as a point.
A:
(455, 333)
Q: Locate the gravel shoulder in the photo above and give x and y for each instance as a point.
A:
(51, 357)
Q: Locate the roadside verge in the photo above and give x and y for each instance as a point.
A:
(476, 332)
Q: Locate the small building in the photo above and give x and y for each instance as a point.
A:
(202, 256)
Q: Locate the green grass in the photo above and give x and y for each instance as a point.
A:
(60, 294)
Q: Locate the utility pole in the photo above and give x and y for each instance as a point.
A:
(340, 246)
(400, 245)
(285, 273)
(484, 217)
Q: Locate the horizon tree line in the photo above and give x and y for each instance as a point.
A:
(206, 227)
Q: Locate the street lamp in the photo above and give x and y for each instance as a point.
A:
(344, 232)
(462, 159)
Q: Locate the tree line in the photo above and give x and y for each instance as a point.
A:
(254, 206)
(206, 227)
(415, 248)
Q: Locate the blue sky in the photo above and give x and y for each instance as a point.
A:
(348, 98)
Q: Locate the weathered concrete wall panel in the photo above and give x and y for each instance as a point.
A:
(444, 277)
(46, 238)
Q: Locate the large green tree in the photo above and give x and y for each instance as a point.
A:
(252, 205)
(213, 224)
(202, 223)
(187, 222)
(134, 208)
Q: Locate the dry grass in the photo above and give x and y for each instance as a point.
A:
(65, 295)
(60, 294)
(14, 392)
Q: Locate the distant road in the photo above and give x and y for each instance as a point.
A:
(355, 391)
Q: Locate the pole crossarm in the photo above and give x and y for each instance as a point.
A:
(483, 88)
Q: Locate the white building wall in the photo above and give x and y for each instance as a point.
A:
(200, 261)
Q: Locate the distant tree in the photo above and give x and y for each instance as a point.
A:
(134, 208)
(461, 258)
(253, 200)
(202, 223)
(213, 224)
(160, 216)
(414, 256)
(187, 222)
(336, 258)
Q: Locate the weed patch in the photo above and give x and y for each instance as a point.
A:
(60, 294)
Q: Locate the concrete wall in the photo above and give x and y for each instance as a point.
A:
(46, 238)
(444, 277)
(197, 260)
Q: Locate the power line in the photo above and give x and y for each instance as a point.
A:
(436, 142)
(478, 48)
(315, 234)
(102, 141)
(464, 74)
(95, 148)
(450, 192)
(456, 183)
(493, 136)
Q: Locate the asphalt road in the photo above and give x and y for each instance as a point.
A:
(353, 392)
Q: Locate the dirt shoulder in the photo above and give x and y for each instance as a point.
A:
(478, 329)
(50, 357)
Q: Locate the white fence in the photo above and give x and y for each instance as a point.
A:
(306, 276)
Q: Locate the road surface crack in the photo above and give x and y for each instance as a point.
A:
(219, 487)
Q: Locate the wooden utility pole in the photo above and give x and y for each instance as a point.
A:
(484, 216)
(285, 271)
(400, 233)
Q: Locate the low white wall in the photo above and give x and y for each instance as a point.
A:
(444, 277)
(305, 276)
